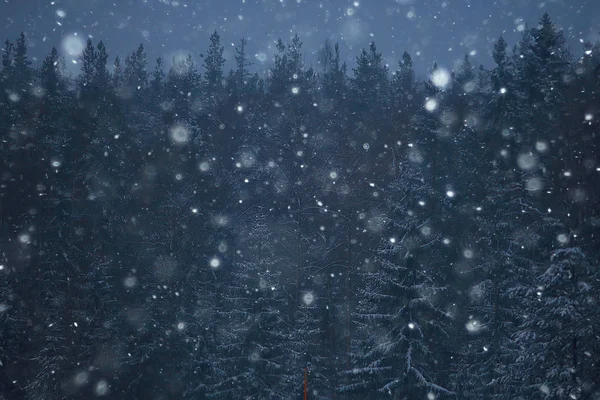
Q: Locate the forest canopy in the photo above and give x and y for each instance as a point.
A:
(192, 233)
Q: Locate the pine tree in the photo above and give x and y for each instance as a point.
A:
(500, 271)
(242, 64)
(7, 58)
(158, 78)
(541, 64)
(14, 331)
(88, 69)
(50, 78)
(558, 330)
(135, 75)
(22, 72)
(117, 76)
(101, 72)
(213, 65)
(252, 339)
(370, 88)
(182, 89)
(399, 318)
(279, 75)
(334, 76)
(404, 96)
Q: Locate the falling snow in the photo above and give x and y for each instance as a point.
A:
(212, 199)
(440, 78)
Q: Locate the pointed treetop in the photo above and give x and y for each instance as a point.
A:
(373, 48)
(20, 50)
(117, 73)
(406, 60)
(101, 57)
(88, 58)
(242, 63)
(280, 46)
(214, 61)
(49, 73)
(158, 75)
(546, 20)
(325, 54)
(499, 52)
(7, 55)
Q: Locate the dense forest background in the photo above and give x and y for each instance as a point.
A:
(203, 234)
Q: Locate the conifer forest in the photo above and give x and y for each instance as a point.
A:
(325, 224)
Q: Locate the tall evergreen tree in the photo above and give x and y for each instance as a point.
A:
(117, 75)
(242, 65)
(213, 64)
(399, 316)
(135, 74)
(252, 341)
(558, 329)
(404, 97)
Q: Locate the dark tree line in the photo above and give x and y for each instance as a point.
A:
(194, 233)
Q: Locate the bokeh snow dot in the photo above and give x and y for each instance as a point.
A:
(14, 97)
(73, 45)
(526, 161)
(308, 298)
(469, 86)
(25, 238)
(562, 238)
(545, 389)
(215, 262)
(221, 220)
(247, 159)
(81, 378)
(262, 57)
(440, 78)
(534, 184)
(101, 388)
(130, 282)
(254, 356)
(204, 166)
(431, 105)
(473, 326)
(179, 134)
(541, 146)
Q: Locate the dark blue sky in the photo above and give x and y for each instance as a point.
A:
(431, 30)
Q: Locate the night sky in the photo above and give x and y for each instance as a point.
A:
(431, 30)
